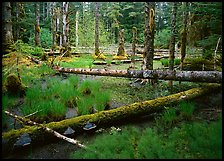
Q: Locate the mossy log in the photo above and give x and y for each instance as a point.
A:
(105, 118)
(192, 76)
(55, 133)
(35, 60)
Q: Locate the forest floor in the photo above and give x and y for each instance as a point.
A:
(123, 91)
(60, 149)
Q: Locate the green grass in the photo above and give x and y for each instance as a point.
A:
(84, 61)
(188, 141)
(187, 109)
(165, 62)
(169, 117)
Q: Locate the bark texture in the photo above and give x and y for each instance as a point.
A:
(97, 41)
(121, 51)
(149, 35)
(192, 76)
(37, 24)
(105, 117)
(134, 41)
(172, 39)
(184, 35)
(54, 25)
(7, 36)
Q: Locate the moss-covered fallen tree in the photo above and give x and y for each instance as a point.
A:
(105, 118)
(192, 76)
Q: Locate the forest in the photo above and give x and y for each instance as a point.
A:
(111, 80)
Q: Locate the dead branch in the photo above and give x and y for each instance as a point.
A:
(29, 122)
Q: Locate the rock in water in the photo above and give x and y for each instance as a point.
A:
(69, 131)
(89, 126)
(23, 140)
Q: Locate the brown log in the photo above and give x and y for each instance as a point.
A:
(106, 118)
(192, 76)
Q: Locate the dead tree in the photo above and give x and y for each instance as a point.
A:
(192, 76)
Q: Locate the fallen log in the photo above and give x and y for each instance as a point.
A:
(35, 60)
(192, 76)
(105, 118)
(55, 133)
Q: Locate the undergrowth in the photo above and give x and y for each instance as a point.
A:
(198, 140)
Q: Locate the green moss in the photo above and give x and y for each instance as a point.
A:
(14, 86)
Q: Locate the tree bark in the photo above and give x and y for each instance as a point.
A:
(184, 35)
(172, 40)
(65, 24)
(54, 25)
(192, 76)
(149, 35)
(37, 24)
(134, 41)
(105, 118)
(76, 29)
(121, 51)
(7, 36)
(97, 48)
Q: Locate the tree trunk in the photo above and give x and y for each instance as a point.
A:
(192, 76)
(121, 51)
(172, 40)
(149, 35)
(7, 36)
(65, 23)
(184, 35)
(134, 41)
(17, 21)
(54, 25)
(104, 118)
(37, 24)
(97, 49)
(76, 29)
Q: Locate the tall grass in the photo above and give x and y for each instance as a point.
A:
(189, 141)
(186, 109)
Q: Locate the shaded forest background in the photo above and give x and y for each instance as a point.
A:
(204, 23)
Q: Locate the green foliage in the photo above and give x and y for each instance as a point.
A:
(91, 97)
(84, 61)
(169, 117)
(162, 39)
(186, 109)
(189, 141)
(45, 38)
(21, 47)
(154, 146)
(176, 61)
(165, 62)
(37, 51)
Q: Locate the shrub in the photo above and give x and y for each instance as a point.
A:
(162, 38)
